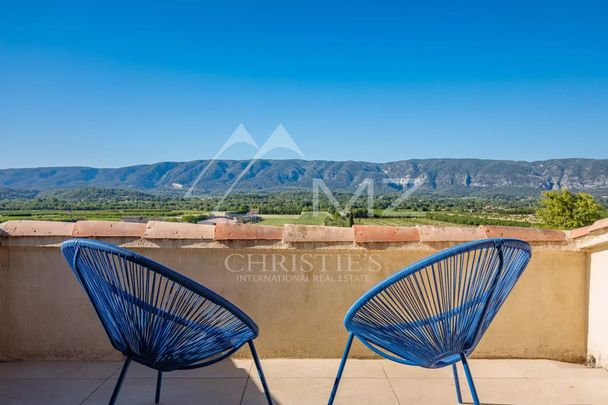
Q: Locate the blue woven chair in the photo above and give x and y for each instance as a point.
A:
(433, 313)
(155, 316)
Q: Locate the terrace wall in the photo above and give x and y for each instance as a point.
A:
(302, 281)
(594, 240)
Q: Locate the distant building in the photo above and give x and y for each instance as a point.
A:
(249, 218)
(233, 218)
(218, 220)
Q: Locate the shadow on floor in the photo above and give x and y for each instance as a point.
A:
(229, 382)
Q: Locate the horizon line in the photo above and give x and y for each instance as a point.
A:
(296, 159)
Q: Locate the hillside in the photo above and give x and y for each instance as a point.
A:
(450, 177)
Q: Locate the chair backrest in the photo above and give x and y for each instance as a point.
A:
(441, 306)
(149, 310)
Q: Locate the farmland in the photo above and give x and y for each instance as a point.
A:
(105, 214)
(274, 209)
(305, 218)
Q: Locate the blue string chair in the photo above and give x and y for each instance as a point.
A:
(156, 316)
(433, 313)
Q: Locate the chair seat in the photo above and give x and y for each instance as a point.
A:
(409, 340)
(199, 340)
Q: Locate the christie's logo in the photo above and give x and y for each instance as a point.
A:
(306, 267)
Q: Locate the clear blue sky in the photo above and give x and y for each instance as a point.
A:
(102, 84)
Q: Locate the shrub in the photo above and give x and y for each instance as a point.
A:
(564, 209)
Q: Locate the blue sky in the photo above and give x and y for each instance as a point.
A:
(108, 85)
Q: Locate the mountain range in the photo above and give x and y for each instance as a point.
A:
(449, 177)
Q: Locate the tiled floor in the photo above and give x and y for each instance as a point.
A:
(306, 382)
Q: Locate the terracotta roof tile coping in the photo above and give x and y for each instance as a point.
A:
(586, 230)
(450, 233)
(85, 229)
(527, 234)
(178, 230)
(36, 228)
(288, 233)
(377, 233)
(597, 225)
(579, 232)
(227, 231)
(316, 233)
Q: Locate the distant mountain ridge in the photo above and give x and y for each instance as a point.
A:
(430, 176)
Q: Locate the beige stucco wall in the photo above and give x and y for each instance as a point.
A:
(4, 307)
(598, 307)
(45, 314)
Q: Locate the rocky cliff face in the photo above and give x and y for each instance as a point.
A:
(440, 176)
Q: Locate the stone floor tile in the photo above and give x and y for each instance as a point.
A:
(499, 382)
(311, 391)
(437, 391)
(289, 391)
(501, 391)
(47, 391)
(554, 369)
(58, 369)
(481, 368)
(574, 390)
(394, 369)
(230, 368)
(319, 368)
(204, 391)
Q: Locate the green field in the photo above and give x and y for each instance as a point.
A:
(108, 215)
(399, 213)
(306, 218)
(396, 218)
(388, 221)
(274, 208)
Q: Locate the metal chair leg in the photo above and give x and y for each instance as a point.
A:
(457, 383)
(258, 365)
(118, 385)
(159, 379)
(467, 371)
(334, 390)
